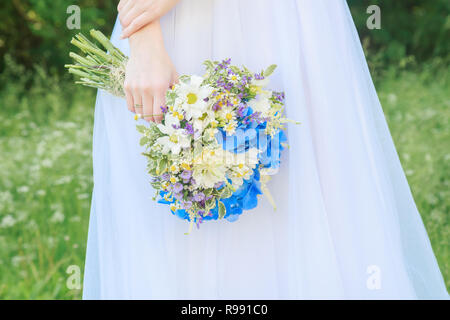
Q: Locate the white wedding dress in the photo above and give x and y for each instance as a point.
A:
(346, 225)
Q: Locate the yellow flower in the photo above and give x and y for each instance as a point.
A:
(229, 116)
(173, 180)
(191, 98)
(186, 166)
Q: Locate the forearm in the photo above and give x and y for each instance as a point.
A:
(135, 14)
(147, 40)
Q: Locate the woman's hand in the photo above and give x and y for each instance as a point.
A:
(149, 73)
(135, 14)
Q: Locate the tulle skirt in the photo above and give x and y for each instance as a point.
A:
(346, 225)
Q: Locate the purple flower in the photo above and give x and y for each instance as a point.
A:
(199, 220)
(177, 187)
(186, 174)
(242, 110)
(178, 195)
(187, 204)
(164, 109)
(189, 128)
(165, 176)
(258, 76)
(199, 197)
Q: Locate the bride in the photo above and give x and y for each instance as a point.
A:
(346, 226)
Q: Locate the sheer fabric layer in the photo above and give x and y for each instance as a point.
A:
(346, 224)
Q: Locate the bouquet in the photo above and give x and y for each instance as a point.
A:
(220, 139)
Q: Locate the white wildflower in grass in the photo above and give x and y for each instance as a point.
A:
(6, 200)
(17, 260)
(7, 221)
(23, 189)
(83, 196)
(57, 217)
(75, 219)
(47, 163)
(63, 180)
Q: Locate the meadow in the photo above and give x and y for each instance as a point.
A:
(46, 171)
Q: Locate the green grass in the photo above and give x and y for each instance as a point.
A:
(45, 185)
(417, 107)
(45, 170)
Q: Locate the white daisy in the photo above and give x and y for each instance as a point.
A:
(193, 95)
(175, 138)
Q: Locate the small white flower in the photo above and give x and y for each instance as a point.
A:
(23, 189)
(83, 196)
(58, 216)
(175, 138)
(261, 102)
(8, 221)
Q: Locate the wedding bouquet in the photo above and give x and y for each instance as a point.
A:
(220, 138)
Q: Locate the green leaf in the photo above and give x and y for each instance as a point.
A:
(225, 193)
(143, 141)
(222, 210)
(141, 129)
(162, 166)
(270, 69)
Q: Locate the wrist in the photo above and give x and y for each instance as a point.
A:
(147, 40)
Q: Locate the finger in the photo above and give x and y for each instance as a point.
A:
(129, 98)
(124, 10)
(121, 4)
(175, 78)
(138, 23)
(132, 14)
(138, 105)
(147, 99)
(158, 101)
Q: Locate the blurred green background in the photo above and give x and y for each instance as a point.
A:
(46, 126)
